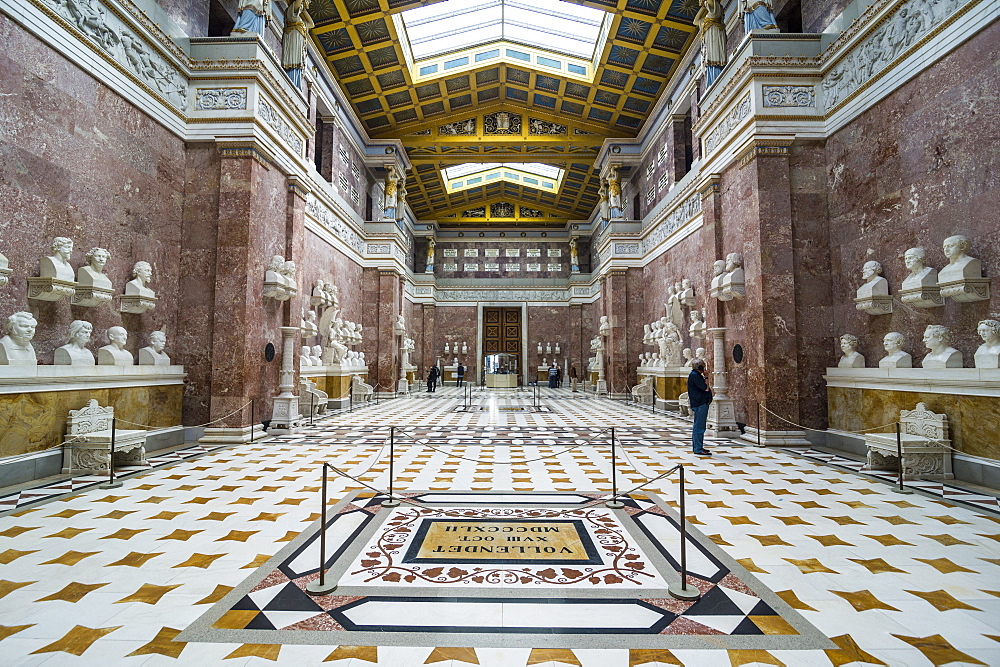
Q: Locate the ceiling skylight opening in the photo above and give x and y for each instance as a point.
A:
(534, 175)
(455, 25)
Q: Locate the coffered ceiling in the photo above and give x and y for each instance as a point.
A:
(492, 108)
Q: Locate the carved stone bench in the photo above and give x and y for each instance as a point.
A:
(310, 396)
(88, 441)
(643, 392)
(925, 446)
(684, 405)
(361, 391)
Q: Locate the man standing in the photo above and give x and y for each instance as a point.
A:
(700, 397)
(432, 379)
(553, 375)
(460, 375)
(572, 376)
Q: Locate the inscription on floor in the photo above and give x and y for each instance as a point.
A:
(494, 540)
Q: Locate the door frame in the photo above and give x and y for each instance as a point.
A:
(523, 305)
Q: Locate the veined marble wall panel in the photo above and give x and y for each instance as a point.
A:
(928, 171)
(80, 161)
(33, 421)
(972, 420)
(325, 262)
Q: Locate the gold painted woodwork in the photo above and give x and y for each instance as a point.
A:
(33, 421)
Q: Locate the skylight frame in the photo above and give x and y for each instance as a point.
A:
(494, 13)
(533, 175)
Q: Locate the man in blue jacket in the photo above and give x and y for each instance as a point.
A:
(700, 397)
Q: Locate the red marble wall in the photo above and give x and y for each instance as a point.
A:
(455, 323)
(77, 160)
(929, 168)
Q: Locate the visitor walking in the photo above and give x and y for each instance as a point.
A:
(700, 397)
(572, 376)
(432, 378)
(460, 375)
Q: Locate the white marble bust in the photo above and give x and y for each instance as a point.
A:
(316, 355)
(57, 265)
(604, 328)
(305, 357)
(698, 328)
(688, 357)
(142, 273)
(895, 356)
(400, 327)
(153, 354)
(75, 352)
(115, 354)
(852, 358)
(91, 274)
(921, 275)
(733, 281)
(718, 268)
(699, 355)
(941, 354)
(988, 354)
(5, 270)
(646, 333)
(875, 284)
(15, 347)
(960, 266)
(687, 293)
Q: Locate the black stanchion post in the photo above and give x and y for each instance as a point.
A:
(112, 483)
(312, 407)
(321, 587)
(614, 503)
(391, 502)
(253, 419)
(684, 592)
(758, 423)
(899, 462)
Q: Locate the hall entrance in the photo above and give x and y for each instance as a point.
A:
(502, 345)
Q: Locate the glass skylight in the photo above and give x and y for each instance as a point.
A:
(454, 25)
(468, 168)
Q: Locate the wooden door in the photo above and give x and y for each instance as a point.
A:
(502, 332)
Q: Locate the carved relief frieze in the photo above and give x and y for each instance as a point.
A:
(537, 126)
(278, 124)
(686, 210)
(727, 124)
(220, 99)
(102, 28)
(335, 224)
(789, 96)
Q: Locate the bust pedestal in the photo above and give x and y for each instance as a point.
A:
(137, 298)
(71, 355)
(109, 355)
(12, 354)
(873, 297)
(922, 290)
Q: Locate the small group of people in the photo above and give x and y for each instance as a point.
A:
(555, 376)
(434, 373)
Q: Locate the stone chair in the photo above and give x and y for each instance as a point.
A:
(925, 446)
(684, 405)
(87, 447)
(643, 392)
(310, 396)
(360, 391)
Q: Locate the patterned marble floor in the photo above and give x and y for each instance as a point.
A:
(113, 576)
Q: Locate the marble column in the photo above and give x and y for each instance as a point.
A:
(285, 415)
(679, 138)
(721, 412)
(326, 148)
(427, 336)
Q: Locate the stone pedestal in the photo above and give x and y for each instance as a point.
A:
(285, 415)
(722, 412)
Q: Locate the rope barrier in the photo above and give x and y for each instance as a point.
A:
(814, 430)
(151, 427)
(492, 462)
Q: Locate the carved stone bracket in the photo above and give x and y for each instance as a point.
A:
(967, 290)
(91, 296)
(136, 303)
(925, 297)
(50, 289)
(875, 304)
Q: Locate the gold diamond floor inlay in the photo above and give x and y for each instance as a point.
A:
(116, 577)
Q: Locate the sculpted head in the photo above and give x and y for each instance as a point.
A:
(118, 336)
(733, 261)
(989, 331)
(277, 263)
(696, 315)
(62, 248)
(158, 341)
(719, 267)
(288, 269)
(893, 342)
(79, 332)
(955, 247)
(21, 327)
(143, 272)
(699, 353)
(317, 350)
(688, 354)
(306, 351)
(97, 258)
(915, 259)
(848, 343)
(936, 337)
(685, 283)
(871, 270)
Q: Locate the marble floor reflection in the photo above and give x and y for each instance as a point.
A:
(116, 576)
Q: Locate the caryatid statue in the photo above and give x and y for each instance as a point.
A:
(252, 17)
(713, 40)
(390, 193)
(758, 15)
(431, 243)
(293, 41)
(614, 193)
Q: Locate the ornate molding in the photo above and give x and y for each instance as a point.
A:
(220, 99)
(788, 96)
(274, 120)
(334, 224)
(763, 147)
(682, 213)
(740, 112)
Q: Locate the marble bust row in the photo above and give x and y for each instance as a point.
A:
(925, 287)
(279, 279)
(937, 340)
(87, 286)
(728, 281)
(16, 348)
